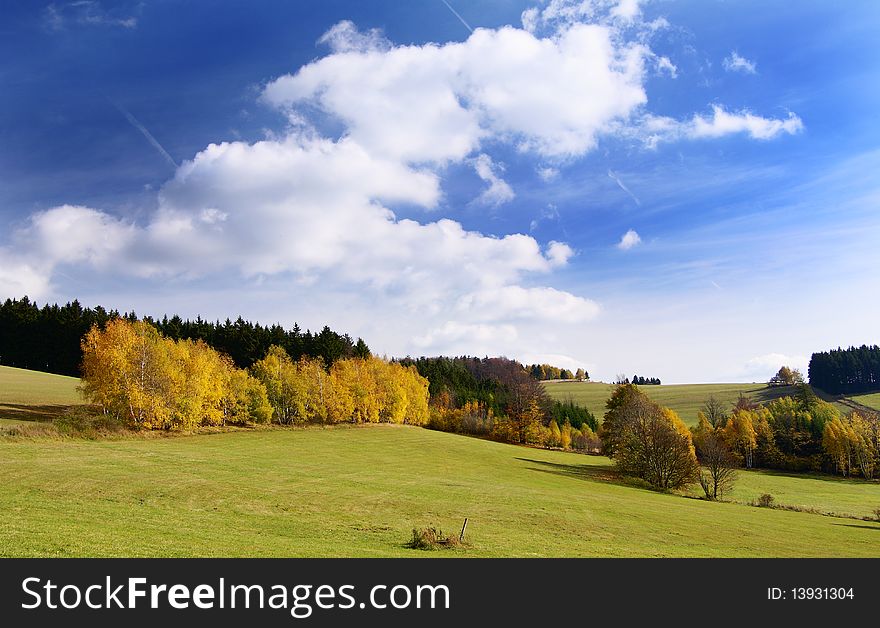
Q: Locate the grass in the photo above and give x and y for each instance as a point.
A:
(34, 396)
(685, 399)
(871, 400)
(827, 494)
(360, 491)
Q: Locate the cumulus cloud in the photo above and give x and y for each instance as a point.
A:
(736, 63)
(629, 240)
(307, 207)
(313, 213)
(437, 103)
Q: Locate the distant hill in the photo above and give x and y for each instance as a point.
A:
(685, 399)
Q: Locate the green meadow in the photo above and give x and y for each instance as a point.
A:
(871, 400)
(685, 399)
(359, 491)
(34, 396)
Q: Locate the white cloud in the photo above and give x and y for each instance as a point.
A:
(309, 220)
(559, 14)
(86, 12)
(724, 123)
(763, 367)
(736, 63)
(345, 37)
(307, 208)
(665, 65)
(498, 192)
(548, 174)
(656, 129)
(558, 253)
(629, 240)
(18, 278)
(436, 103)
(71, 234)
(506, 303)
(457, 338)
(627, 10)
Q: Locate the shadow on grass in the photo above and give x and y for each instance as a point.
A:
(825, 477)
(590, 473)
(857, 525)
(22, 412)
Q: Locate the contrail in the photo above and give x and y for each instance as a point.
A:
(455, 13)
(140, 127)
(624, 188)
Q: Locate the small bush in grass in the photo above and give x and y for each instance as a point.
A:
(431, 539)
(766, 501)
(877, 514)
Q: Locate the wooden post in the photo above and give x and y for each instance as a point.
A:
(463, 528)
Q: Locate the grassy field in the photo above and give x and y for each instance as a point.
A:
(685, 399)
(353, 491)
(871, 400)
(359, 491)
(34, 396)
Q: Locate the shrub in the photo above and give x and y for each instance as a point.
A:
(766, 501)
(432, 539)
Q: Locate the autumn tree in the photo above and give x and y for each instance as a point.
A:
(718, 462)
(851, 443)
(565, 435)
(740, 436)
(715, 411)
(621, 401)
(139, 377)
(648, 441)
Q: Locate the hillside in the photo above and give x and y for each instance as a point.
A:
(359, 491)
(685, 399)
(34, 396)
(869, 400)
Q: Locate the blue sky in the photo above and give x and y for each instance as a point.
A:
(437, 187)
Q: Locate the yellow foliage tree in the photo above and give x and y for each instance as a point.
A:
(565, 436)
(148, 381)
(740, 434)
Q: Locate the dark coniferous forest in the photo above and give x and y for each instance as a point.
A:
(48, 338)
(846, 371)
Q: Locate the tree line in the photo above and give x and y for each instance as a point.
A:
(638, 380)
(545, 372)
(498, 398)
(137, 376)
(48, 338)
(846, 371)
(800, 433)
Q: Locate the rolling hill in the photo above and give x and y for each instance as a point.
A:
(35, 396)
(685, 399)
(359, 491)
